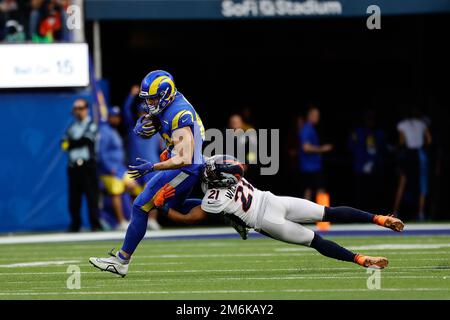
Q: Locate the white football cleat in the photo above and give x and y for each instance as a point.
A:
(123, 226)
(152, 224)
(112, 264)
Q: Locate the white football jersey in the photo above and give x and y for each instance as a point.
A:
(242, 200)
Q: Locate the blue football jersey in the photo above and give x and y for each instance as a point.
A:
(180, 113)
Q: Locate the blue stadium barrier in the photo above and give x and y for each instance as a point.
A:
(33, 178)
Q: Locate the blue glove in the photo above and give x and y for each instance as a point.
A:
(145, 127)
(140, 170)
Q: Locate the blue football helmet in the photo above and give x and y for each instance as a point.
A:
(158, 85)
(222, 171)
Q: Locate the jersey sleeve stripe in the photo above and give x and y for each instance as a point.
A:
(178, 116)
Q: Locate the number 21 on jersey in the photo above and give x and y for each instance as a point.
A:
(245, 200)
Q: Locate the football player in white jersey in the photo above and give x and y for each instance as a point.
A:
(279, 217)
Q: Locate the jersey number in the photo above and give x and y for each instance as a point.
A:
(214, 194)
(246, 201)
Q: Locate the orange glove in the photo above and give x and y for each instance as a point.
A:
(164, 193)
(164, 155)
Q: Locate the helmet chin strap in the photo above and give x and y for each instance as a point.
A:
(162, 103)
(154, 111)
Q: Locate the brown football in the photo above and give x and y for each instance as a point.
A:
(151, 120)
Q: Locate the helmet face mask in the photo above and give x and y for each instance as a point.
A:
(222, 171)
(151, 105)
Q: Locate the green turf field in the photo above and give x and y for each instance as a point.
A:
(229, 269)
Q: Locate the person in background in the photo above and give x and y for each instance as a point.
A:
(248, 141)
(79, 141)
(367, 144)
(2, 22)
(310, 154)
(47, 22)
(236, 122)
(148, 149)
(12, 21)
(111, 161)
(247, 118)
(414, 136)
(35, 16)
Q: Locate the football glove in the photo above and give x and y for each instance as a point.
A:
(164, 155)
(164, 193)
(140, 170)
(145, 128)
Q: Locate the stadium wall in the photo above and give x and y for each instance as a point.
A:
(33, 182)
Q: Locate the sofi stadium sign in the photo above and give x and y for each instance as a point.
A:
(273, 8)
(252, 9)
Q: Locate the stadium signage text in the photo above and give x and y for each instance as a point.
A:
(274, 8)
(40, 65)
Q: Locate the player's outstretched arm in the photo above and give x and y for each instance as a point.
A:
(194, 216)
(183, 150)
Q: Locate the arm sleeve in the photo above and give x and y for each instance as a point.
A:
(87, 139)
(83, 141)
(305, 136)
(104, 164)
(65, 141)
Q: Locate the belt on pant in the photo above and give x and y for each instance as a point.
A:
(80, 162)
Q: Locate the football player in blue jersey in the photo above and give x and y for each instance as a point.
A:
(170, 114)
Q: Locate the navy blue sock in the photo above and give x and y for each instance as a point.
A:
(136, 230)
(346, 215)
(331, 249)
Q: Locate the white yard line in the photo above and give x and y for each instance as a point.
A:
(111, 235)
(38, 264)
(308, 252)
(313, 276)
(77, 262)
(384, 246)
(353, 268)
(215, 291)
(130, 284)
(188, 232)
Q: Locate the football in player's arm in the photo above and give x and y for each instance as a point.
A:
(175, 119)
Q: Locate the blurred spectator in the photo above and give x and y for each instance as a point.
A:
(111, 160)
(414, 136)
(12, 21)
(79, 140)
(311, 155)
(247, 142)
(47, 21)
(367, 144)
(36, 11)
(247, 118)
(137, 147)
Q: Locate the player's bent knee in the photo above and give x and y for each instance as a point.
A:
(137, 208)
